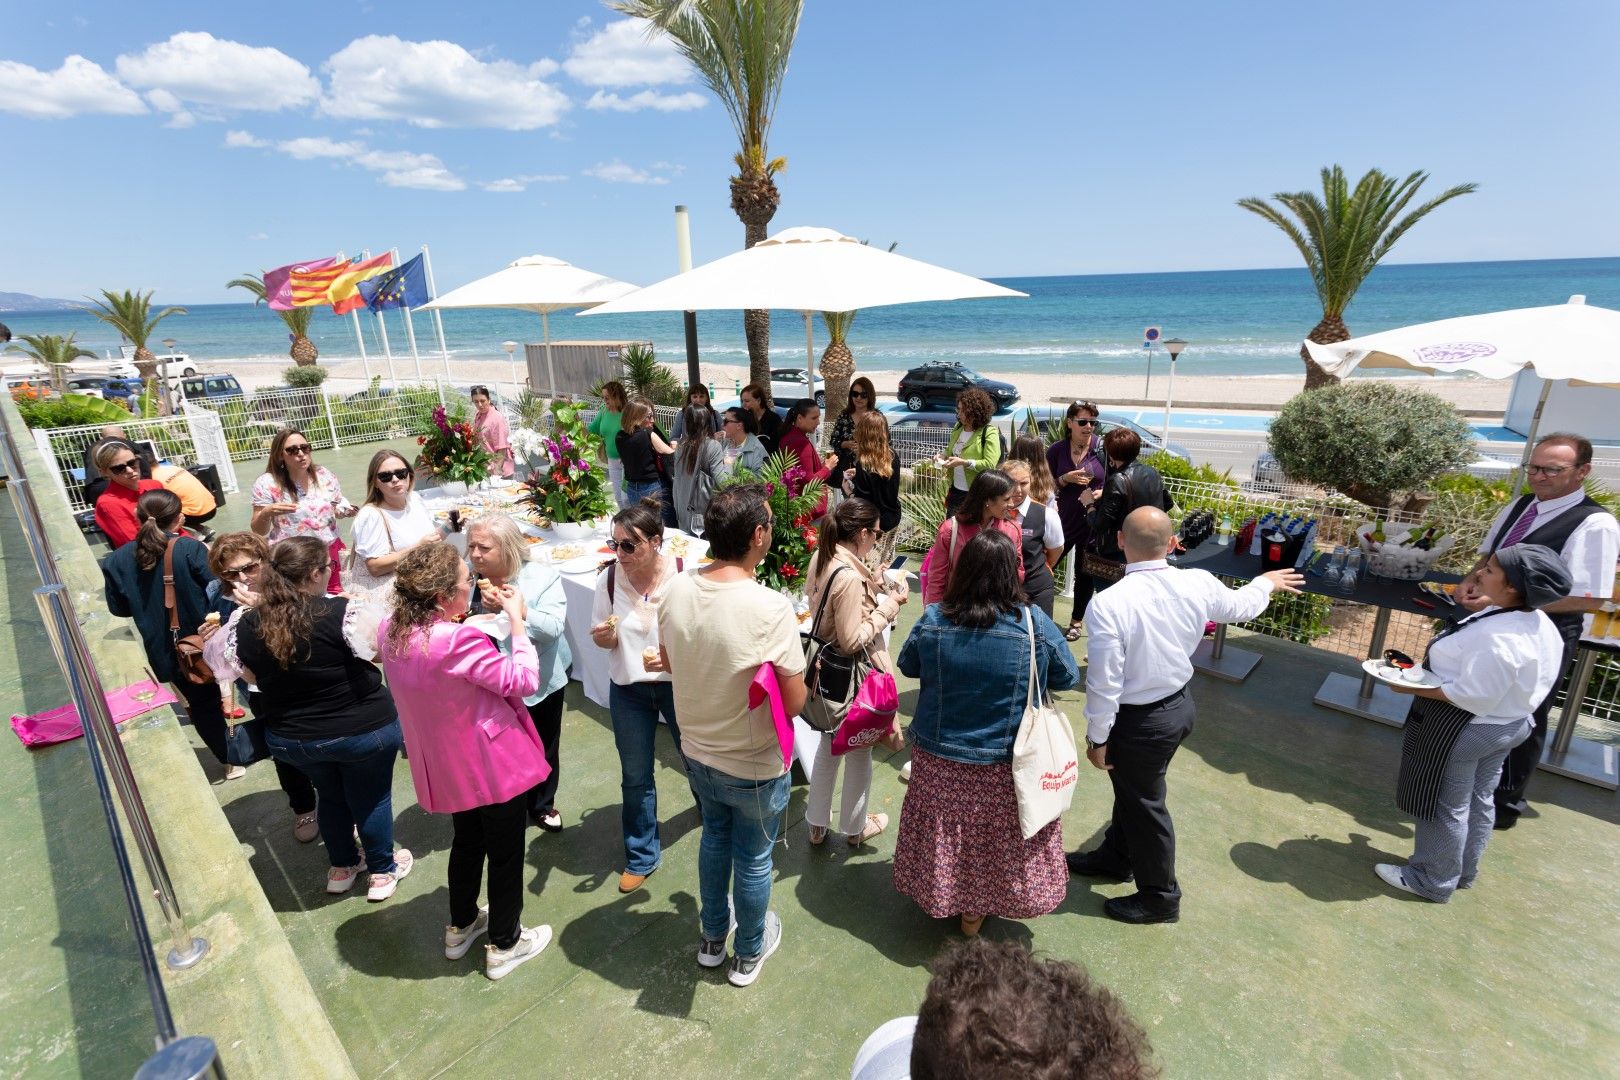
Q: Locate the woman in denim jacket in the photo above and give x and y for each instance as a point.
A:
(960, 849)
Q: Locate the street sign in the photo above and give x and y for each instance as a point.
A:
(1151, 335)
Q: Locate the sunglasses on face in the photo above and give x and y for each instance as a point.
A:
(858, 393)
(239, 572)
(625, 547)
(1081, 421)
(300, 449)
(385, 475)
(131, 465)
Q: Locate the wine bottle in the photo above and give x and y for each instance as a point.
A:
(1428, 540)
(1377, 535)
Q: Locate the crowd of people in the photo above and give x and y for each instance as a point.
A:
(346, 660)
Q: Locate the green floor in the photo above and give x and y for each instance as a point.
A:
(1291, 958)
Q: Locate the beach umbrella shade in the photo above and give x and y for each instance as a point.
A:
(536, 283)
(805, 269)
(1575, 342)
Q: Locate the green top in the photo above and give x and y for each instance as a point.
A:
(605, 426)
(982, 451)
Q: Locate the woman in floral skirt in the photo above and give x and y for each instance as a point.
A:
(960, 850)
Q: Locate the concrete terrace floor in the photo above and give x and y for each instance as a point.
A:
(1291, 958)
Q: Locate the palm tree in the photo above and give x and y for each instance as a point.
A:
(54, 351)
(740, 49)
(1342, 235)
(303, 351)
(838, 365)
(130, 313)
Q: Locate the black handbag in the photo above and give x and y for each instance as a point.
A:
(244, 742)
(830, 674)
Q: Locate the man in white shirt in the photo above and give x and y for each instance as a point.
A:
(1141, 635)
(1557, 515)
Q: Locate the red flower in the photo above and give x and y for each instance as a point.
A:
(557, 477)
(801, 521)
(790, 570)
(421, 440)
(809, 536)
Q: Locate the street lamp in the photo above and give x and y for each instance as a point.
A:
(1173, 347)
(511, 354)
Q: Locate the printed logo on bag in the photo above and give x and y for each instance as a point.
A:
(864, 738)
(1061, 779)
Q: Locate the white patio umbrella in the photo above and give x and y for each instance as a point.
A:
(807, 270)
(536, 283)
(1574, 342)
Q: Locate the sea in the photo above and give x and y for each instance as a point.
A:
(1236, 322)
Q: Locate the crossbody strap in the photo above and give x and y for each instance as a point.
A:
(168, 589)
(826, 591)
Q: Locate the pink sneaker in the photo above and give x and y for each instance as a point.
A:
(382, 885)
(340, 879)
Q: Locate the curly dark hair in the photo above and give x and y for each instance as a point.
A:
(423, 578)
(995, 1012)
(976, 408)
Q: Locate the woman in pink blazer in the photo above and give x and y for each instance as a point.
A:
(473, 753)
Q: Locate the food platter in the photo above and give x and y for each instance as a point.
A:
(1392, 676)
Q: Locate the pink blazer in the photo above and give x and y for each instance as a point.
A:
(461, 707)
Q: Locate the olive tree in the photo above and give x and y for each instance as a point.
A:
(1370, 440)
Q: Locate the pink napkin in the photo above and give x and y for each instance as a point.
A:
(764, 686)
(62, 724)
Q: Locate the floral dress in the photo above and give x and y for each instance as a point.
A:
(317, 514)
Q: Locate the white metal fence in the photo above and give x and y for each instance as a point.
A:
(187, 439)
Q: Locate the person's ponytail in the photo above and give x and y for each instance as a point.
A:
(158, 512)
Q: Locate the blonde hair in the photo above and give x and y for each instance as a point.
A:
(631, 416)
(872, 449)
(507, 538)
(1031, 451)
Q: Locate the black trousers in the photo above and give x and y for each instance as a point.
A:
(493, 834)
(546, 715)
(1522, 759)
(1141, 837)
(1085, 586)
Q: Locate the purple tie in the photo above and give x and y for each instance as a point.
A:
(1521, 527)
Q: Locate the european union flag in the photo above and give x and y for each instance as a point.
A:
(403, 286)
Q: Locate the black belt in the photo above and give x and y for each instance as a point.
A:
(1148, 706)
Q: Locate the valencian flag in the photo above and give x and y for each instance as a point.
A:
(344, 291)
(278, 283)
(404, 286)
(310, 287)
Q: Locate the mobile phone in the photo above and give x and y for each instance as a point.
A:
(899, 561)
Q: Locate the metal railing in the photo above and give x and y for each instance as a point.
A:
(111, 771)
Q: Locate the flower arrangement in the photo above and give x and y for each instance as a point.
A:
(566, 482)
(451, 449)
(793, 536)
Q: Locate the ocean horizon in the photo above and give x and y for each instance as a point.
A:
(1236, 322)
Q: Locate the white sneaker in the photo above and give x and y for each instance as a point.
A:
(745, 969)
(235, 772)
(499, 962)
(458, 941)
(1395, 878)
(340, 879)
(712, 953)
(905, 773)
(383, 885)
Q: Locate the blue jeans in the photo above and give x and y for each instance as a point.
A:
(635, 708)
(634, 493)
(742, 820)
(354, 776)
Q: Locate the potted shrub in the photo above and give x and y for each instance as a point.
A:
(793, 536)
(566, 484)
(451, 451)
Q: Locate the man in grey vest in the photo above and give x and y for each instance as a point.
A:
(1557, 514)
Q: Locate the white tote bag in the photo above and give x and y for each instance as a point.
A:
(1045, 764)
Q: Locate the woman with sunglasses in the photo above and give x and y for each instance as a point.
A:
(296, 497)
(1078, 470)
(624, 619)
(115, 507)
(492, 428)
(392, 521)
(238, 560)
(862, 400)
(740, 441)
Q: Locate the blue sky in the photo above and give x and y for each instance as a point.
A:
(173, 146)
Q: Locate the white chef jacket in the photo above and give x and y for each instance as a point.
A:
(1591, 552)
(1501, 668)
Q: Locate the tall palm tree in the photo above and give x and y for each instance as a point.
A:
(303, 351)
(837, 365)
(54, 351)
(1342, 235)
(130, 313)
(740, 49)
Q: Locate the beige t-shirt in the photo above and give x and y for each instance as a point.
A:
(717, 635)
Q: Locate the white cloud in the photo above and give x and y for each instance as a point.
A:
(510, 184)
(179, 115)
(397, 168)
(647, 99)
(621, 54)
(617, 172)
(78, 86)
(198, 68)
(438, 84)
(258, 236)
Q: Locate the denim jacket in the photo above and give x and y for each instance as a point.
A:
(975, 682)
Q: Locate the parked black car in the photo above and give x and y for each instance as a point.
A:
(938, 383)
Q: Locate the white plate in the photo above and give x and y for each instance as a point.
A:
(1385, 675)
(495, 624)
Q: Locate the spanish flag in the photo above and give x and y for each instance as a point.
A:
(312, 287)
(344, 292)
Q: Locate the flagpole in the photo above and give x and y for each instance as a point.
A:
(382, 330)
(359, 339)
(410, 331)
(427, 264)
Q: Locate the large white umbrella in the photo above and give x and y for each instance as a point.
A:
(1576, 342)
(807, 270)
(537, 283)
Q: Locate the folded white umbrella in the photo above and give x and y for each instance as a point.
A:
(807, 270)
(537, 283)
(1575, 342)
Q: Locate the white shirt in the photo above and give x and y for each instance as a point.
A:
(379, 531)
(1142, 631)
(1590, 553)
(1052, 536)
(1499, 669)
(638, 624)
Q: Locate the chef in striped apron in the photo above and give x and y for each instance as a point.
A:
(1495, 665)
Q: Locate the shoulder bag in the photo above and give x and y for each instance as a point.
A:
(1045, 763)
(187, 650)
(1100, 567)
(831, 675)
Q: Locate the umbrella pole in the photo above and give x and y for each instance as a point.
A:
(809, 356)
(551, 370)
(1530, 440)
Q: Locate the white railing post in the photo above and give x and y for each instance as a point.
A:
(331, 424)
(42, 439)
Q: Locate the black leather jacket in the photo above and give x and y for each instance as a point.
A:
(1137, 484)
